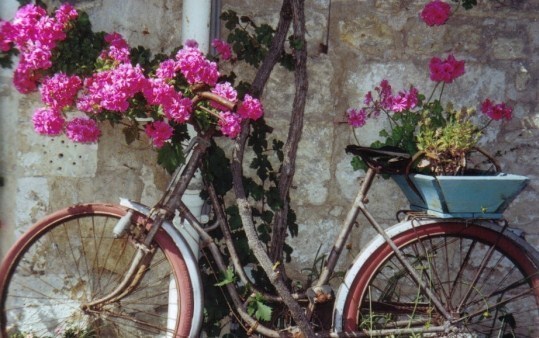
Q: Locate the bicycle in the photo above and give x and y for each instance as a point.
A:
(126, 271)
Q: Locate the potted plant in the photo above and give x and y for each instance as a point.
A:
(444, 177)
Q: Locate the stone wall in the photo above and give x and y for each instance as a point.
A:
(367, 41)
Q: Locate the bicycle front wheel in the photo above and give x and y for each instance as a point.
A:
(486, 281)
(71, 258)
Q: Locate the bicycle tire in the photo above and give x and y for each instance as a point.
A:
(502, 302)
(50, 273)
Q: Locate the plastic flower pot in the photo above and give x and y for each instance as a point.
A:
(461, 196)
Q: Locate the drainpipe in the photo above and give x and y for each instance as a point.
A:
(196, 21)
(200, 22)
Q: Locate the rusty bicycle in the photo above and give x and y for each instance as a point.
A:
(127, 271)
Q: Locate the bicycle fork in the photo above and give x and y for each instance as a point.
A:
(139, 265)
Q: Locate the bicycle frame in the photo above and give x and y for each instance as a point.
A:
(164, 211)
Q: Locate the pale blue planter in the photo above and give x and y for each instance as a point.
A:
(462, 196)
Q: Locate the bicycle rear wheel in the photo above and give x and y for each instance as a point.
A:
(487, 282)
(71, 258)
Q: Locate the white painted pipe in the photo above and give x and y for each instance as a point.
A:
(196, 19)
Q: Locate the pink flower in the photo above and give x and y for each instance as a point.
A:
(223, 48)
(498, 111)
(159, 132)
(445, 70)
(157, 91)
(60, 90)
(191, 43)
(368, 98)
(83, 130)
(250, 108)
(48, 121)
(24, 78)
(118, 49)
(404, 100)
(178, 108)
(195, 67)
(357, 117)
(112, 89)
(6, 35)
(65, 13)
(436, 13)
(230, 124)
(167, 70)
(226, 91)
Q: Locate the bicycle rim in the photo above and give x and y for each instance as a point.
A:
(486, 282)
(71, 258)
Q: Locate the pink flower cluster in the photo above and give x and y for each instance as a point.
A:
(60, 90)
(445, 70)
(386, 102)
(35, 34)
(118, 49)
(115, 87)
(436, 13)
(111, 89)
(195, 67)
(222, 48)
(496, 111)
(230, 123)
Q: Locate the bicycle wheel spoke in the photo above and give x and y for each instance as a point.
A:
(484, 280)
(75, 260)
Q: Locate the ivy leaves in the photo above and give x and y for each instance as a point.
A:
(250, 41)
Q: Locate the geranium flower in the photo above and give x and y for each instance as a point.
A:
(82, 130)
(230, 124)
(118, 49)
(178, 108)
(223, 48)
(226, 91)
(250, 108)
(159, 132)
(436, 13)
(112, 89)
(6, 35)
(499, 111)
(356, 117)
(195, 67)
(48, 121)
(167, 69)
(60, 90)
(445, 70)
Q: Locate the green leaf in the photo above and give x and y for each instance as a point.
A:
(258, 309)
(358, 164)
(228, 277)
(170, 156)
(131, 133)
